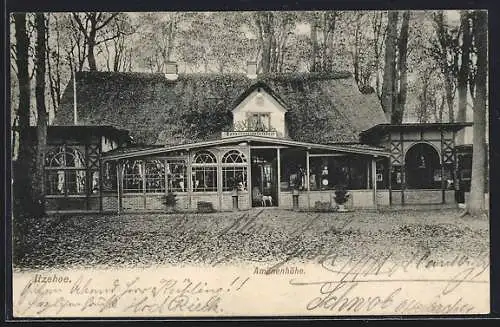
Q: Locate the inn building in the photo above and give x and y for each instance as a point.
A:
(121, 142)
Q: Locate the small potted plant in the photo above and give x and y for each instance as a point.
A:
(341, 197)
(170, 201)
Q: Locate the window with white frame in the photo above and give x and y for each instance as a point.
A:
(234, 171)
(133, 176)
(204, 172)
(258, 121)
(109, 181)
(65, 171)
(176, 175)
(155, 176)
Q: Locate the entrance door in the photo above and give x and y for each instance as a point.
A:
(423, 170)
(264, 178)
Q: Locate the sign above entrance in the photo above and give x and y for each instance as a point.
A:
(253, 133)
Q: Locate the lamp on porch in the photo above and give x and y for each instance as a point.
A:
(324, 176)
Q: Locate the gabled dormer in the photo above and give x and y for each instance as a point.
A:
(259, 111)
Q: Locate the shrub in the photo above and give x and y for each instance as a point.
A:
(341, 194)
(170, 200)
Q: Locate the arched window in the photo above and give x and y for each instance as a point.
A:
(109, 180)
(234, 171)
(65, 171)
(423, 168)
(65, 157)
(205, 157)
(233, 157)
(204, 172)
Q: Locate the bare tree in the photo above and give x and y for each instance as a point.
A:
(402, 71)
(356, 48)
(476, 200)
(323, 25)
(273, 32)
(215, 41)
(22, 187)
(38, 176)
(78, 44)
(388, 86)
(117, 51)
(445, 50)
(379, 33)
(90, 24)
(160, 37)
(464, 72)
(54, 60)
(314, 65)
(426, 97)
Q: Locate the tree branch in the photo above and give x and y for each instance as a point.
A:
(109, 38)
(82, 28)
(106, 22)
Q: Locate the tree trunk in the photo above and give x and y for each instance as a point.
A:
(476, 200)
(463, 74)
(423, 102)
(397, 115)
(389, 66)
(356, 50)
(378, 38)
(441, 110)
(170, 40)
(447, 68)
(450, 95)
(314, 45)
(22, 185)
(91, 55)
(38, 176)
(330, 26)
(267, 46)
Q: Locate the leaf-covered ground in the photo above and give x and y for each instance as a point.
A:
(140, 240)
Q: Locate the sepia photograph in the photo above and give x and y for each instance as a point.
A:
(249, 163)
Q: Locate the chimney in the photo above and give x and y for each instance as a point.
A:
(171, 71)
(252, 69)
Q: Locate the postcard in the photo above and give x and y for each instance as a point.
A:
(249, 164)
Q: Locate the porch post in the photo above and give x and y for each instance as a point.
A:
(88, 177)
(368, 170)
(143, 164)
(118, 186)
(374, 181)
(101, 175)
(219, 178)
(441, 157)
(249, 176)
(307, 180)
(389, 173)
(403, 169)
(189, 182)
(165, 179)
(278, 164)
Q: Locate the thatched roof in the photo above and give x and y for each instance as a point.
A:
(323, 108)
